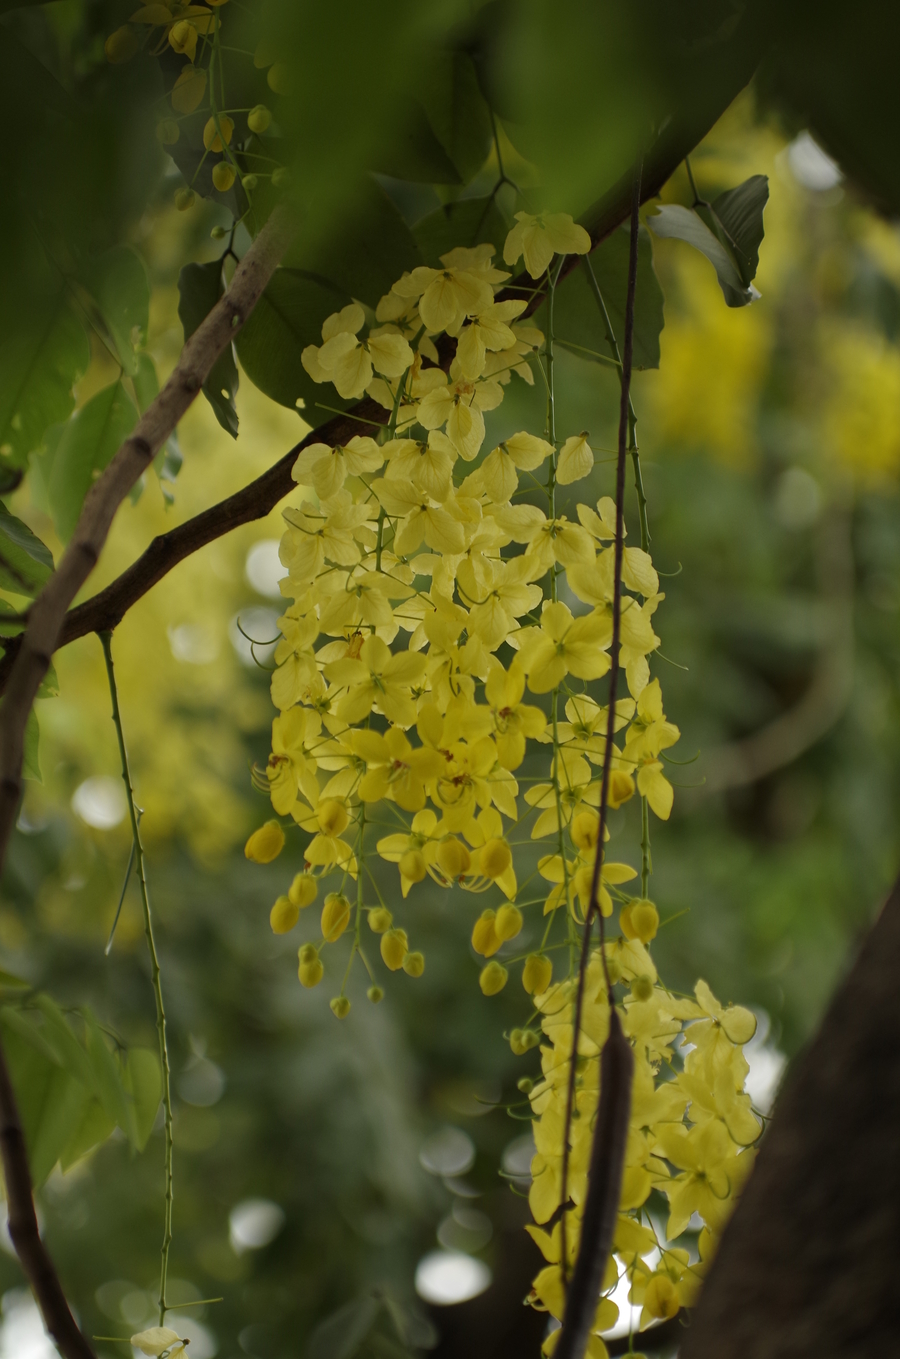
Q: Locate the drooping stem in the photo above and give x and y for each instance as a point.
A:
(611, 1128)
(141, 870)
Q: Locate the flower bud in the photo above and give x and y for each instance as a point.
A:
(183, 38)
(223, 176)
(641, 987)
(375, 994)
(584, 829)
(380, 919)
(280, 177)
(184, 199)
(522, 1041)
(249, 183)
(310, 970)
(335, 916)
(484, 935)
(394, 948)
(537, 974)
(218, 233)
(265, 844)
(525, 1084)
(283, 915)
(412, 865)
(188, 90)
(661, 1297)
(494, 858)
(453, 858)
(121, 45)
(340, 1007)
(214, 137)
(621, 787)
(414, 964)
(279, 78)
(639, 920)
(168, 132)
(493, 978)
(332, 816)
(259, 118)
(508, 922)
(302, 890)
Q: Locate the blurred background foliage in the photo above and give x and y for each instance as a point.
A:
(307, 1170)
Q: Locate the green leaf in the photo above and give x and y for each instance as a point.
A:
(467, 222)
(143, 1080)
(199, 289)
(26, 1032)
(11, 621)
(366, 255)
(12, 982)
(40, 362)
(673, 220)
(107, 1074)
(456, 109)
(61, 1108)
(413, 151)
(70, 1053)
(286, 319)
(739, 215)
(577, 317)
(86, 445)
(340, 1335)
(118, 284)
(92, 1129)
(31, 754)
(26, 564)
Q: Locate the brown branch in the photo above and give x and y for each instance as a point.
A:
(808, 1265)
(23, 1228)
(40, 640)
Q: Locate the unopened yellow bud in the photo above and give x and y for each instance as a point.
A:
(522, 1040)
(508, 922)
(453, 858)
(332, 816)
(335, 916)
(265, 844)
(259, 118)
(621, 787)
(184, 199)
(641, 987)
(494, 858)
(525, 1084)
(413, 866)
(380, 919)
(414, 964)
(310, 970)
(217, 138)
(639, 920)
(340, 1007)
(280, 177)
(188, 90)
(218, 233)
(249, 182)
(121, 45)
(493, 978)
(584, 829)
(223, 176)
(183, 38)
(394, 948)
(661, 1297)
(279, 78)
(485, 939)
(302, 890)
(283, 915)
(375, 994)
(168, 132)
(537, 974)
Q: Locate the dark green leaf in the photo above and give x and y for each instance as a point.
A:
(577, 316)
(143, 1080)
(60, 1110)
(340, 1335)
(413, 151)
(86, 444)
(26, 1032)
(107, 1074)
(69, 1051)
(286, 319)
(93, 1128)
(199, 289)
(40, 363)
(118, 284)
(739, 214)
(684, 224)
(31, 753)
(367, 253)
(456, 110)
(26, 564)
(467, 222)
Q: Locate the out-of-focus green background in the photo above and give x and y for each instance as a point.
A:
(771, 454)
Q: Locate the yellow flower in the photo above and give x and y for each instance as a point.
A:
(429, 466)
(394, 769)
(415, 851)
(380, 680)
(265, 844)
(500, 469)
(217, 138)
(704, 1154)
(493, 978)
(349, 362)
(496, 593)
(419, 518)
(445, 296)
(189, 89)
(565, 645)
(537, 974)
(158, 1341)
(487, 330)
(326, 468)
(514, 721)
(283, 915)
(394, 948)
(458, 405)
(540, 238)
(335, 916)
(576, 460)
(292, 764)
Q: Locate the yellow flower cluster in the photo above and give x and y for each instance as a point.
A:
(689, 1136)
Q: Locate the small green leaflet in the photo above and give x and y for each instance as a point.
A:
(731, 240)
(87, 443)
(39, 365)
(26, 564)
(199, 289)
(118, 285)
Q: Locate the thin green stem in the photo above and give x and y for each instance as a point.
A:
(646, 861)
(141, 870)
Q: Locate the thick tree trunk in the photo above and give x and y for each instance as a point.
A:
(809, 1265)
